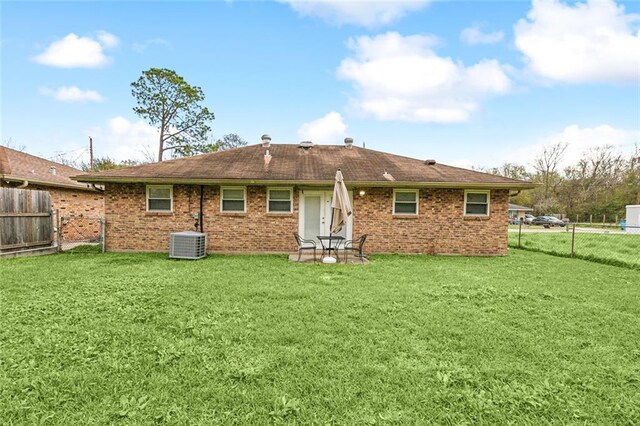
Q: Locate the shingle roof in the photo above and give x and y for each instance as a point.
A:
(520, 208)
(20, 166)
(292, 164)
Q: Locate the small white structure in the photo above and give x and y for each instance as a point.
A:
(633, 219)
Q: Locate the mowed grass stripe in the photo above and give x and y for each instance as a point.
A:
(138, 338)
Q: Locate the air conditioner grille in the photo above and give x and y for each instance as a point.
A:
(188, 245)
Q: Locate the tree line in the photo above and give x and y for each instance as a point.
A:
(598, 185)
(228, 141)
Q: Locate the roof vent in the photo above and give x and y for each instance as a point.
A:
(430, 162)
(267, 159)
(53, 170)
(306, 144)
(387, 175)
(348, 142)
(266, 141)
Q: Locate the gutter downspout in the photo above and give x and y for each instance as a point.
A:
(23, 184)
(93, 185)
(201, 208)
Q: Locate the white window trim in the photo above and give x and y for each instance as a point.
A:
(275, 188)
(244, 191)
(170, 187)
(475, 191)
(415, 191)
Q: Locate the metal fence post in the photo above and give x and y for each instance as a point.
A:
(103, 231)
(519, 233)
(573, 240)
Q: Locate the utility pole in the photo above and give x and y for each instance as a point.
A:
(90, 153)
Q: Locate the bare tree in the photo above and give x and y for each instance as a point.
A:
(9, 143)
(148, 154)
(229, 141)
(547, 164)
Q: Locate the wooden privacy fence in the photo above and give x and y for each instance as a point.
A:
(26, 219)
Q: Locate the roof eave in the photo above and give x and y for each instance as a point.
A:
(389, 184)
(78, 186)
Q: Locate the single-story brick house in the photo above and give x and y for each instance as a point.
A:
(254, 198)
(71, 198)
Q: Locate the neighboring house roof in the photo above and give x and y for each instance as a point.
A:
(295, 164)
(520, 208)
(17, 166)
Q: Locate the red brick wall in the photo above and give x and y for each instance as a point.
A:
(440, 226)
(72, 202)
(80, 212)
(77, 203)
(131, 227)
(253, 231)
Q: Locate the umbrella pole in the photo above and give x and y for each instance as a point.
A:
(330, 234)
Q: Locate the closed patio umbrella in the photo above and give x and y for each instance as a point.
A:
(340, 206)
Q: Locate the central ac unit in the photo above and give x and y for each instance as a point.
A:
(188, 245)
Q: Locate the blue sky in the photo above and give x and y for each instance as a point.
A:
(467, 83)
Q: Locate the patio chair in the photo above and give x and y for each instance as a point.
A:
(355, 246)
(305, 245)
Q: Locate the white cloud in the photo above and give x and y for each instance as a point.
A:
(329, 129)
(140, 47)
(402, 78)
(589, 42)
(107, 39)
(72, 94)
(357, 12)
(123, 139)
(474, 35)
(579, 140)
(78, 52)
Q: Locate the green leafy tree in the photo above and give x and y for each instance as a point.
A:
(167, 101)
(228, 141)
(107, 163)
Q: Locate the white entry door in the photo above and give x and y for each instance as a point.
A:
(315, 215)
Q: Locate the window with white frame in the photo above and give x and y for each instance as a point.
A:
(476, 203)
(233, 200)
(279, 200)
(159, 198)
(405, 201)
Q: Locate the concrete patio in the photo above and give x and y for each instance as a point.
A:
(308, 258)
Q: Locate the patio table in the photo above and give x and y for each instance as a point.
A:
(329, 243)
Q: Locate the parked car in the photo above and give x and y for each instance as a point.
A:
(547, 221)
(528, 218)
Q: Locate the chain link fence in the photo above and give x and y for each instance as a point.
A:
(79, 234)
(604, 243)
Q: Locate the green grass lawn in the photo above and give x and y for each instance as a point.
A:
(140, 339)
(613, 249)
